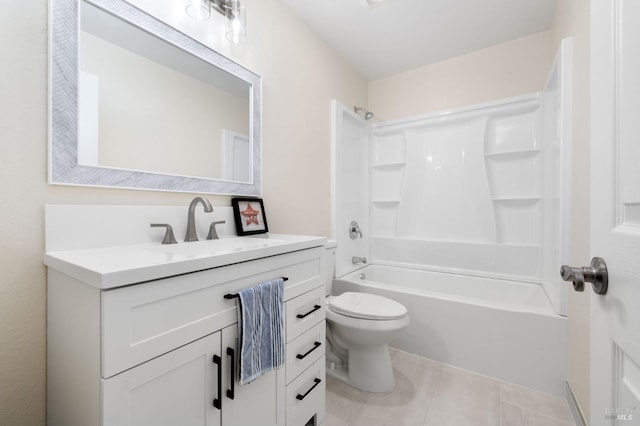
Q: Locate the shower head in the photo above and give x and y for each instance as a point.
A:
(359, 110)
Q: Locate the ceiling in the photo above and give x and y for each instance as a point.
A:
(399, 35)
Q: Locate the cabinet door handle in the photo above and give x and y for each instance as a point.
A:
(316, 382)
(231, 393)
(218, 401)
(316, 345)
(315, 308)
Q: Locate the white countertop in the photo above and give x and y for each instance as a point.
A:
(111, 267)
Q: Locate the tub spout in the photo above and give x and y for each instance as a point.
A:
(355, 260)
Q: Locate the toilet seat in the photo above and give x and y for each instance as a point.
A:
(366, 306)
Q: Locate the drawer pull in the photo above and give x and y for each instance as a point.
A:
(218, 401)
(315, 308)
(231, 393)
(316, 383)
(316, 345)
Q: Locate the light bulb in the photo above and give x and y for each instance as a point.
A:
(199, 10)
(236, 12)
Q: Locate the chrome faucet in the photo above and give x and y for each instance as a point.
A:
(355, 260)
(191, 222)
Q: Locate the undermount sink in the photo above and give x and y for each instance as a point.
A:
(216, 247)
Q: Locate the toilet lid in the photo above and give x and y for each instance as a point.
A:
(367, 306)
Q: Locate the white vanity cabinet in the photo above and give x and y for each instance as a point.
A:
(143, 353)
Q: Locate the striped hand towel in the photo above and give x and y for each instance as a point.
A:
(262, 329)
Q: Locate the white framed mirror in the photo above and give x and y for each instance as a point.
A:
(136, 104)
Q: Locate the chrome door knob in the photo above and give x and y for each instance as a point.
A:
(596, 274)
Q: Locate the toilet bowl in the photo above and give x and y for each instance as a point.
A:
(359, 328)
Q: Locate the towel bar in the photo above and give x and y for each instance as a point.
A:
(235, 296)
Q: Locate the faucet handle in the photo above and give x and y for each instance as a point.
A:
(168, 235)
(213, 235)
(354, 230)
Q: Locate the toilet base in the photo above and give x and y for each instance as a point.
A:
(339, 372)
(369, 369)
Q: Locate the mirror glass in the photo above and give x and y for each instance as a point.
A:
(137, 104)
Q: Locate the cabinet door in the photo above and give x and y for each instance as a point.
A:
(260, 402)
(177, 388)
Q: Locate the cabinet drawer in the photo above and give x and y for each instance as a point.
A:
(305, 350)
(144, 321)
(304, 312)
(306, 396)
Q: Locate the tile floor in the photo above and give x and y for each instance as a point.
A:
(428, 393)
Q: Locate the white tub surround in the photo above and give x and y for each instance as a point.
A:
(480, 190)
(502, 329)
(149, 334)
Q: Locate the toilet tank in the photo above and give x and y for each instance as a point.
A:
(329, 265)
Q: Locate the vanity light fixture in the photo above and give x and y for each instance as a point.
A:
(233, 10)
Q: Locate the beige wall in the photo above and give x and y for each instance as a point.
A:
(514, 68)
(572, 18)
(301, 75)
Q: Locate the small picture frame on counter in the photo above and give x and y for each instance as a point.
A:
(249, 216)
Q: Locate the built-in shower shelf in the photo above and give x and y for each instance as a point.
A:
(519, 245)
(387, 202)
(397, 165)
(516, 200)
(513, 153)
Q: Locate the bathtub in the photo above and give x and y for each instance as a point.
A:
(502, 329)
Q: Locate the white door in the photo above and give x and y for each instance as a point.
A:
(177, 388)
(235, 157)
(615, 229)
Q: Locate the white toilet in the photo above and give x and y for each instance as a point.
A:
(359, 326)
